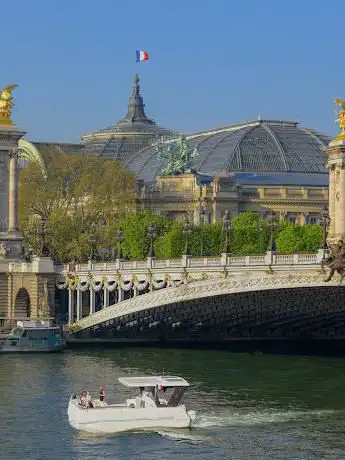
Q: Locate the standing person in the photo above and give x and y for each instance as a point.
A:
(101, 394)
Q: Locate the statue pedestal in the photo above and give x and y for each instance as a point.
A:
(43, 265)
(11, 246)
(11, 241)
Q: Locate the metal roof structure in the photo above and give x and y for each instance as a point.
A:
(292, 179)
(128, 135)
(165, 380)
(260, 146)
(44, 153)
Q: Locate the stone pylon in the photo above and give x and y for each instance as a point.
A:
(11, 241)
(336, 167)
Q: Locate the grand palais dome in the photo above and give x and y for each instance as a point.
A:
(261, 146)
(128, 135)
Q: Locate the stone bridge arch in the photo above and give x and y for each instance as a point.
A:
(270, 305)
(30, 294)
(22, 304)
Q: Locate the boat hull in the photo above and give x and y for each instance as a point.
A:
(28, 349)
(118, 418)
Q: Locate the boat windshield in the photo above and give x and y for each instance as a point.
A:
(16, 332)
(176, 397)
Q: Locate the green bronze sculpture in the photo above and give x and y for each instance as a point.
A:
(175, 156)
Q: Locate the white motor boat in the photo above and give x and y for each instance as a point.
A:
(149, 409)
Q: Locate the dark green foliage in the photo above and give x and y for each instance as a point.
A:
(294, 238)
(136, 242)
(249, 234)
(172, 243)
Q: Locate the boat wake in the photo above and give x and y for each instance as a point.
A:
(240, 418)
(187, 437)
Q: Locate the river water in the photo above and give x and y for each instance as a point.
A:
(250, 406)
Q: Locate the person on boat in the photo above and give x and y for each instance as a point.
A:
(102, 402)
(89, 401)
(83, 399)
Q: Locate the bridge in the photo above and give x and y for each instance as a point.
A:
(211, 298)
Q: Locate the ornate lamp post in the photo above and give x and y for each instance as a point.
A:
(226, 230)
(260, 229)
(119, 237)
(271, 217)
(202, 221)
(39, 232)
(113, 253)
(152, 234)
(324, 222)
(92, 241)
(187, 229)
(104, 254)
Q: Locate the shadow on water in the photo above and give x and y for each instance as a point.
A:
(307, 346)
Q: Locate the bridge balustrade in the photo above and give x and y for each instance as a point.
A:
(227, 260)
(112, 282)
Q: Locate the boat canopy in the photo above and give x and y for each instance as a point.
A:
(152, 381)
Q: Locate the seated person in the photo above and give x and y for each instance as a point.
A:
(89, 401)
(83, 399)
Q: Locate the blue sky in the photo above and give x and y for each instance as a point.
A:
(212, 63)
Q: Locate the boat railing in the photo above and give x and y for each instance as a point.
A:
(6, 324)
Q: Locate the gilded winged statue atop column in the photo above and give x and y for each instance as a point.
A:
(6, 104)
(341, 117)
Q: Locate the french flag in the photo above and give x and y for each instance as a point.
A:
(142, 55)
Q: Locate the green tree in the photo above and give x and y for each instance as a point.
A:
(80, 195)
(313, 237)
(212, 239)
(295, 238)
(171, 243)
(135, 225)
(249, 234)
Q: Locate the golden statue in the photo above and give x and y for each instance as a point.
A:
(6, 104)
(341, 117)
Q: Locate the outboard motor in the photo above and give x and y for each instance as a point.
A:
(192, 415)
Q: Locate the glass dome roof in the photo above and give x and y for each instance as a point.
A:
(261, 146)
(132, 133)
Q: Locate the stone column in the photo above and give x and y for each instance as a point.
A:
(10, 238)
(336, 165)
(303, 218)
(79, 304)
(120, 294)
(331, 198)
(92, 300)
(13, 193)
(106, 297)
(70, 306)
(340, 203)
